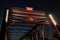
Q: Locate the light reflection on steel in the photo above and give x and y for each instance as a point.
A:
(7, 13)
(55, 24)
(52, 19)
(28, 16)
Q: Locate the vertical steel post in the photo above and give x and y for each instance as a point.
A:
(42, 32)
(5, 25)
(32, 35)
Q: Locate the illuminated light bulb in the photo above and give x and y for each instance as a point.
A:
(29, 8)
(7, 11)
(31, 19)
(51, 17)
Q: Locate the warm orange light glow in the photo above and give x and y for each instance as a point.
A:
(7, 11)
(31, 19)
(51, 17)
(29, 8)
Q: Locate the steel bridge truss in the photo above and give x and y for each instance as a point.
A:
(18, 16)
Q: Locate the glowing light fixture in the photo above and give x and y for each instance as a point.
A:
(52, 19)
(31, 19)
(7, 11)
(29, 8)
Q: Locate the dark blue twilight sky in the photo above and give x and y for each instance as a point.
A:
(46, 5)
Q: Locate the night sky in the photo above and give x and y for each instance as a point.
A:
(53, 6)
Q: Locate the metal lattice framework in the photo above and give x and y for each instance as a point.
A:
(30, 19)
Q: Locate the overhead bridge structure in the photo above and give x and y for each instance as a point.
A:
(28, 24)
